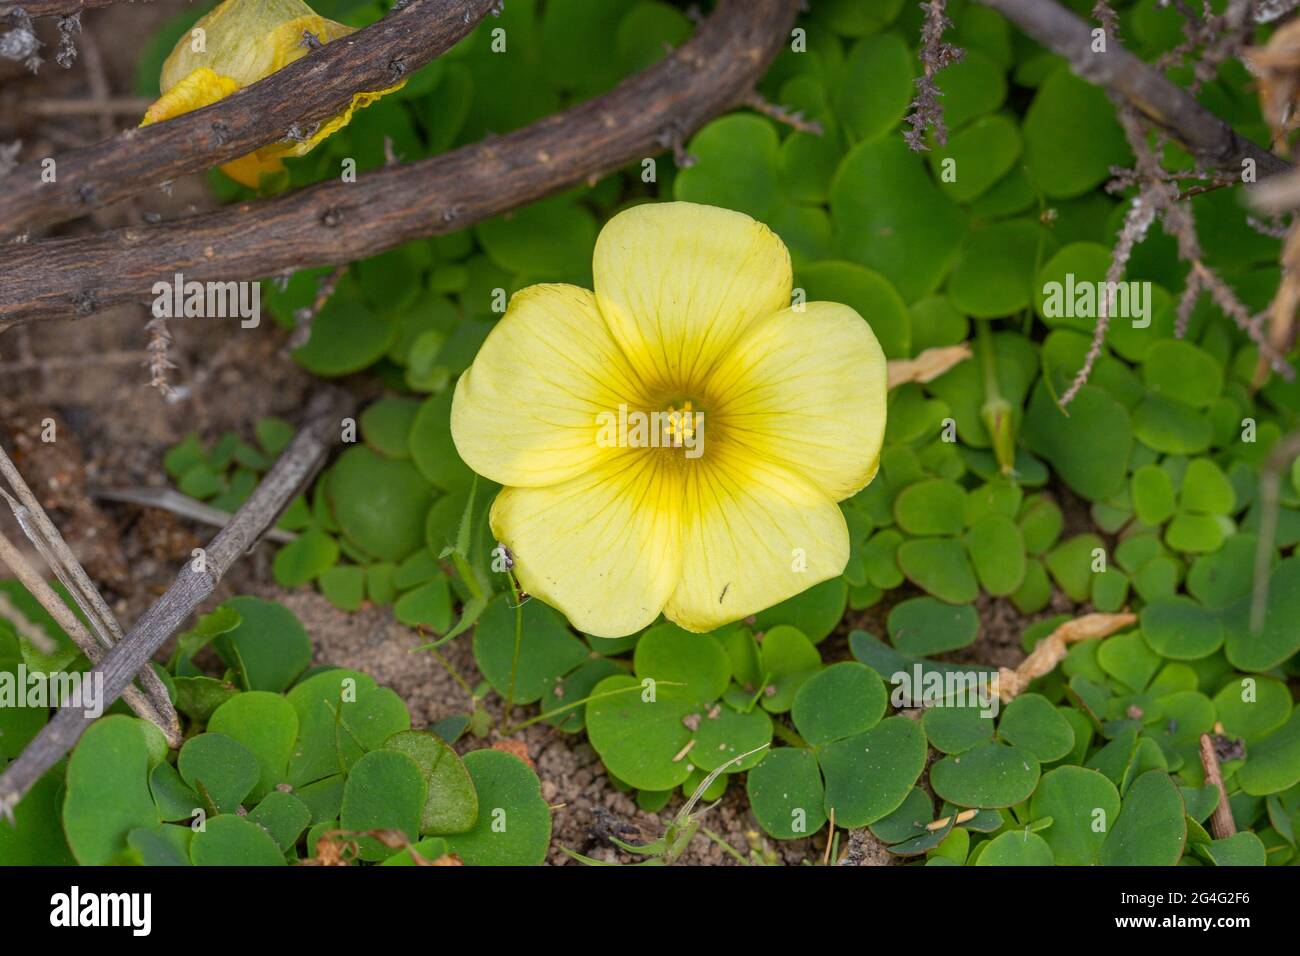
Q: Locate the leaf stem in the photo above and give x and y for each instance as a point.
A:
(514, 662)
(455, 674)
(586, 700)
(726, 847)
(788, 734)
(996, 411)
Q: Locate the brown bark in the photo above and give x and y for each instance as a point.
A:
(1222, 824)
(1213, 142)
(49, 8)
(301, 95)
(292, 471)
(335, 222)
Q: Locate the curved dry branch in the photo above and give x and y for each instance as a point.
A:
(335, 222)
(304, 93)
(293, 470)
(1214, 143)
(52, 8)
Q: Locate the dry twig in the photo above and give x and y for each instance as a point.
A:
(24, 628)
(171, 500)
(1052, 649)
(1221, 823)
(783, 114)
(54, 8)
(927, 366)
(307, 91)
(926, 110)
(1158, 196)
(195, 582)
(42, 533)
(336, 222)
(304, 318)
(1172, 109)
(71, 625)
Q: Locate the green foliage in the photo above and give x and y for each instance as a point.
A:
(514, 822)
(107, 790)
(329, 750)
(1151, 828)
(1146, 493)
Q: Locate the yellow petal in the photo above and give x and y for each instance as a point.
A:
(249, 40)
(248, 170)
(603, 547)
(288, 41)
(807, 390)
(201, 88)
(680, 283)
(753, 534)
(336, 123)
(527, 412)
(241, 42)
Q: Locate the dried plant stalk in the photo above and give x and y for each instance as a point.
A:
(42, 533)
(1277, 68)
(1052, 649)
(36, 585)
(1221, 822)
(927, 366)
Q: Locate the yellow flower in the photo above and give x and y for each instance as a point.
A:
(241, 42)
(736, 511)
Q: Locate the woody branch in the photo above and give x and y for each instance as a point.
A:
(335, 222)
(295, 98)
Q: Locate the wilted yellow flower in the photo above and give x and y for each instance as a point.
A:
(237, 44)
(769, 415)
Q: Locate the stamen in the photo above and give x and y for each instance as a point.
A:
(681, 424)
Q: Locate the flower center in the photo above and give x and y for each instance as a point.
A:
(681, 425)
(672, 425)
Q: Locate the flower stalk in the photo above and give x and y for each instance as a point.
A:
(996, 411)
